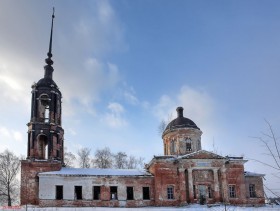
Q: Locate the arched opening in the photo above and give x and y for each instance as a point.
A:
(44, 108)
(188, 145)
(42, 147)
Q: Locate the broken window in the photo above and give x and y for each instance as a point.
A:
(96, 192)
(188, 144)
(252, 191)
(146, 193)
(210, 195)
(129, 193)
(232, 191)
(170, 192)
(114, 192)
(59, 192)
(78, 193)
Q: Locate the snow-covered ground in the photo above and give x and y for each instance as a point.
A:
(186, 208)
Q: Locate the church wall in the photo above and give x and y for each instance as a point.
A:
(47, 193)
(257, 181)
(168, 174)
(235, 177)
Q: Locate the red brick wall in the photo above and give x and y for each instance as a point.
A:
(29, 179)
(258, 182)
(235, 176)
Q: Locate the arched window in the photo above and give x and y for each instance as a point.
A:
(172, 147)
(188, 145)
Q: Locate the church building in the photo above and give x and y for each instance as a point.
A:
(184, 174)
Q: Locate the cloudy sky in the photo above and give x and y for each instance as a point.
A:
(124, 66)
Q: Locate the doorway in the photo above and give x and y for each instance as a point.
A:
(202, 194)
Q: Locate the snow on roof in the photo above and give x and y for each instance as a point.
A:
(252, 174)
(97, 172)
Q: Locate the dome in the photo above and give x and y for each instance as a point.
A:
(46, 82)
(180, 122)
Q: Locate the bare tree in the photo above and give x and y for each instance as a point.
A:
(135, 163)
(163, 124)
(271, 144)
(84, 157)
(103, 158)
(120, 161)
(161, 127)
(69, 158)
(9, 185)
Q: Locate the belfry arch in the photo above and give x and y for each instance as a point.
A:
(42, 146)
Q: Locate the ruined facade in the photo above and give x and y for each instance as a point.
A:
(183, 174)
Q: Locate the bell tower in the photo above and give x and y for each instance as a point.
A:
(45, 141)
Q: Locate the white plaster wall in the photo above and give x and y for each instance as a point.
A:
(47, 186)
(48, 183)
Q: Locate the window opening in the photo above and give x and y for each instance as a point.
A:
(173, 147)
(78, 193)
(188, 144)
(232, 191)
(210, 195)
(47, 114)
(170, 192)
(42, 145)
(59, 192)
(45, 108)
(114, 192)
(146, 193)
(129, 193)
(194, 192)
(252, 191)
(96, 192)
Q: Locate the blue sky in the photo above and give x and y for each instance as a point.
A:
(123, 66)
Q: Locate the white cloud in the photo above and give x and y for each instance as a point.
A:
(130, 97)
(12, 139)
(84, 86)
(114, 118)
(198, 106)
(116, 108)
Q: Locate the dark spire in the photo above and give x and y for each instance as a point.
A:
(49, 61)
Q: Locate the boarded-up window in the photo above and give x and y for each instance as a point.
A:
(114, 192)
(78, 193)
(59, 192)
(96, 192)
(146, 193)
(129, 193)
